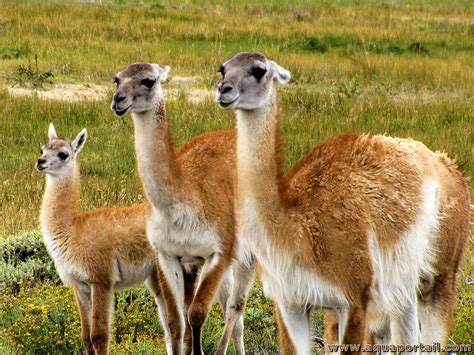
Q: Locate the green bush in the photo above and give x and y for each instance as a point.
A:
(42, 319)
(315, 44)
(24, 259)
(418, 47)
(30, 75)
(142, 345)
(260, 327)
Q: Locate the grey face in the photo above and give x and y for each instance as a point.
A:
(248, 79)
(138, 88)
(58, 155)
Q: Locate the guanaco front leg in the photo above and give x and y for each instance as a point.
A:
(210, 278)
(83, 300)
(153, 284)
(190, 279)
(405, 326)
(102, 296)
(286, 344)
(172, 288)
(234, 307)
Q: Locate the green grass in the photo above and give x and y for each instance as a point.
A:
(400, 68)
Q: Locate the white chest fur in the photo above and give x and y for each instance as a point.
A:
(283, 280)
(177, 231)
(68, 273)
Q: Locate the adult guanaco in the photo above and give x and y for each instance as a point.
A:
(191, 227)
(356, 226)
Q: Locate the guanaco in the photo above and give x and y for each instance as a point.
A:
(98, 251)
(355, 227)
(191, 227)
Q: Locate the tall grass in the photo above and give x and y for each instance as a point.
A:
(108, 162)
(89, 43)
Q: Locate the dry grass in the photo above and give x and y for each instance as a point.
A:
(87, 43)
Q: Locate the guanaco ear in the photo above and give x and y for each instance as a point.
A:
(52, 132)
(280, 74)
(79, 141)
(162, 72)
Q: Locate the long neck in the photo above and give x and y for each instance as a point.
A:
(156, 160)
(59, 205)
(258, 161)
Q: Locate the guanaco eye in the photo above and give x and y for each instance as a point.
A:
(41, 151)
(63, 156)
(221, 70)
(258, 72)
(148, 83)
(117, 81)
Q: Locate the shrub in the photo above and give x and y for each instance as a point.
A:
(142, 345)
(260, 326)
(41, 320)
(24, 259)
(340, 40)
(136, 316)
(393, 48)
(471, 29)
(418, 47)
(349, 88)
(44, 319)
(29, 75)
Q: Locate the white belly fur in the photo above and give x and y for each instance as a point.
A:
(125, 274)
(298, 288)
(128, 275)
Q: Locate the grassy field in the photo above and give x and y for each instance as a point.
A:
(400, 68)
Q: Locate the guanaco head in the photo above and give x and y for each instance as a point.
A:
(58, 155)
(247, 81)
(138, 88)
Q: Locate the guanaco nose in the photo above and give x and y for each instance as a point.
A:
(119, 97)
(225, 87)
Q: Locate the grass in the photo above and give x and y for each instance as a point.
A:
(91, 42)
(403, 69)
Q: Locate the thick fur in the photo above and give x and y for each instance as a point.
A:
(356, 224)
(97, 252)
(437, 282)
(192, 224)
